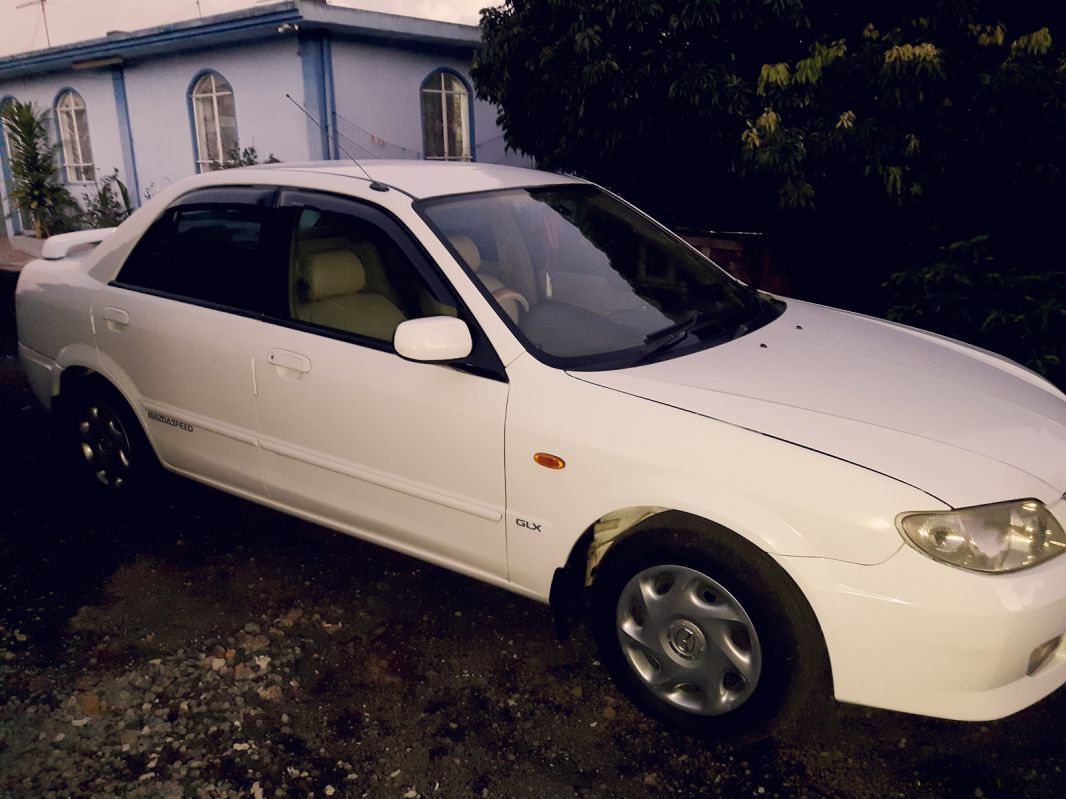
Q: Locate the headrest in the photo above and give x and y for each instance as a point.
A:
(467, 251)
(332, 273)
(309, 244)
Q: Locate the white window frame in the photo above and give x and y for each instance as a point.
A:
(77, 150)
(203, 163)
(438, 77)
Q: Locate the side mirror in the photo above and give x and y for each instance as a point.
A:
(433, 339)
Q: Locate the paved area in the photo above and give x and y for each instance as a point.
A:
(13, 257)
(196, 645)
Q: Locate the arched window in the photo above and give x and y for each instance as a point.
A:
(215, 118)
(446, 118)
(74, 135)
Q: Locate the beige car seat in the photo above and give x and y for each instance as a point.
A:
(335, 294)
(373, 266)
(508, 299)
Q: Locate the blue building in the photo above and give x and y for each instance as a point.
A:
(163, 103)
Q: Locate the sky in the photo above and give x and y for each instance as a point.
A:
(22, 29)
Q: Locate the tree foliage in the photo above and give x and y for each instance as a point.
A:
(740, 108)
(647, 97)
(957, 109)
(867, 136)
(36, 190)
(1026, 321)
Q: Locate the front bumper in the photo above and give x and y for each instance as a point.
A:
(919, 636)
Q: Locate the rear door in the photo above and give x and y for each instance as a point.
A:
(178, 327)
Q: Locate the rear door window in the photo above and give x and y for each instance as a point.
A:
(211, 248)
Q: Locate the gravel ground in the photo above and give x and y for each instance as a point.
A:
(201, 646)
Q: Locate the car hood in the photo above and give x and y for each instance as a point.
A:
(960, 423)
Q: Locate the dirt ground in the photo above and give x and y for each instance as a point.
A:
(202, 646)
(11, 259)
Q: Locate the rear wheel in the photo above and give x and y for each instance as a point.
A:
(704, 632)
(109, 446)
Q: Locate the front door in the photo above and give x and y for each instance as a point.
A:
(406, 454)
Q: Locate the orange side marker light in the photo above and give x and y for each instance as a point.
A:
(549, 461)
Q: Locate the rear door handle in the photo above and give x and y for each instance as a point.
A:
(116, 318)
(290, 360)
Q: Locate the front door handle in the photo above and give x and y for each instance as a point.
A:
(290, 360)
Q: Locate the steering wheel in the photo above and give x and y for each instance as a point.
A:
(511, 294)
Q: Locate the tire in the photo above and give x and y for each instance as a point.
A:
(105, 442)
(704, 632)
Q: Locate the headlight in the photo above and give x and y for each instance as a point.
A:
(1003, 537)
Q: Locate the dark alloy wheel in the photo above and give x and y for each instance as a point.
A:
(104, 444)
(109, 443)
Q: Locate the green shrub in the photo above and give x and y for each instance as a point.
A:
(1018, 310)
(36, 189)
(247, 156)
(109, 204)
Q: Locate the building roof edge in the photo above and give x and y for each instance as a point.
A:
(247, 24)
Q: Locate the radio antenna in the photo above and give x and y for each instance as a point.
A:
(375, 185)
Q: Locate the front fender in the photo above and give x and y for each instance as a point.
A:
(623, 451)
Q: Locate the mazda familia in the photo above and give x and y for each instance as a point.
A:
(752, 501)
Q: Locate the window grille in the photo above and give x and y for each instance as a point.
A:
(445, 118)
(215, 117)
(74, 135)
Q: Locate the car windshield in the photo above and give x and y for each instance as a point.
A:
(587, 281)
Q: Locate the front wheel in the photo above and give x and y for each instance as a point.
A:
(704, 632)
(688, 640)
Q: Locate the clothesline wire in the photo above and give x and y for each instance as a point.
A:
(387, 143)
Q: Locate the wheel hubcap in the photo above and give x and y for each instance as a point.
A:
(688, 640)
(104, 445)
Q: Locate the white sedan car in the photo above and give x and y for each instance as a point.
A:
(518, 376)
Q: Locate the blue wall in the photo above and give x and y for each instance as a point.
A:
(261, 75)
(97, 90)
(365, 95)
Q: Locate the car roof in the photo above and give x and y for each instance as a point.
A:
(422, 179)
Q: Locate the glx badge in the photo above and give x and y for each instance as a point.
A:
(528, 525)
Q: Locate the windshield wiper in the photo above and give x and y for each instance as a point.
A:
(754, 309)
(671, 332)
(667, 337)
(662, 340)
